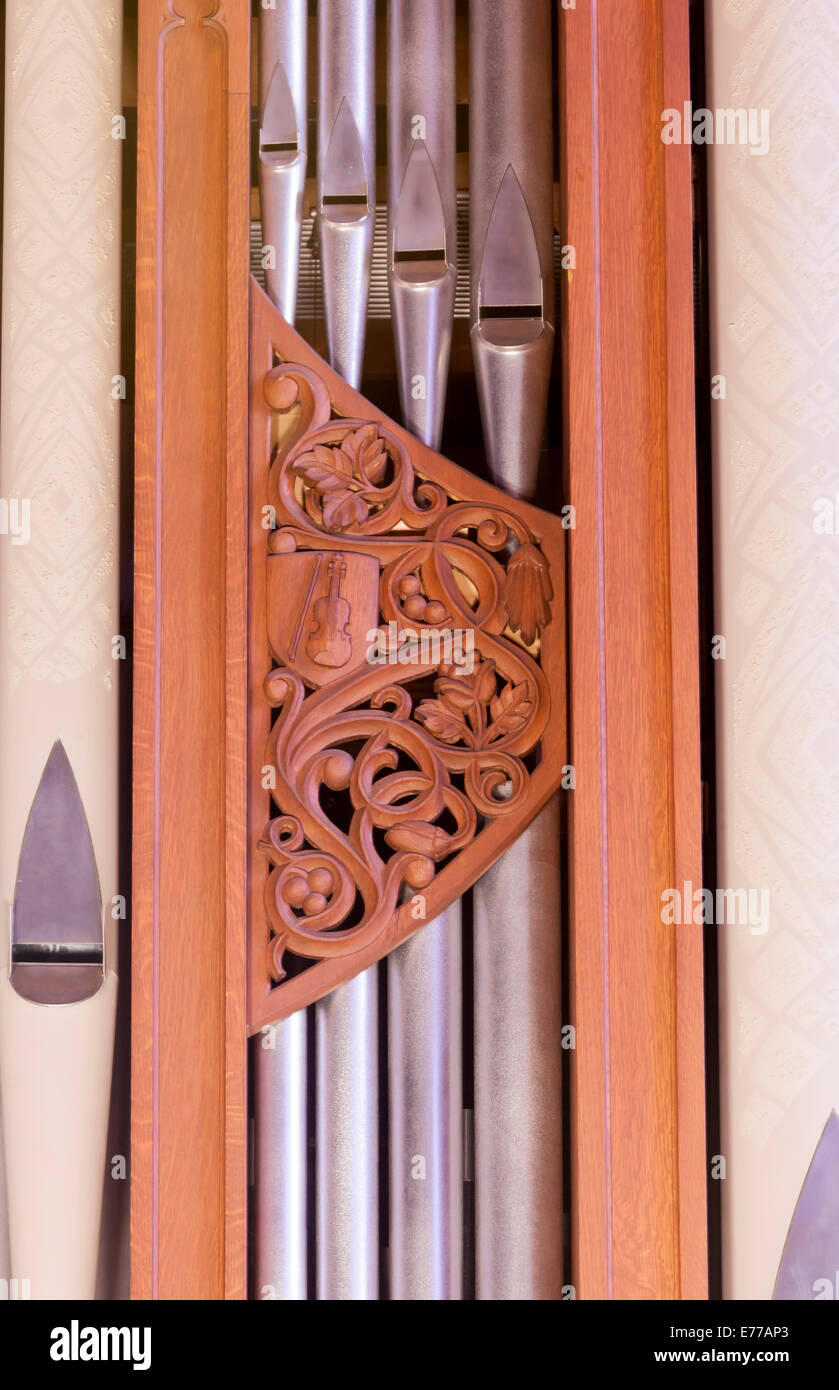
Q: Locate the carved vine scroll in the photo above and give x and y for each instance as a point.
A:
(407, 680)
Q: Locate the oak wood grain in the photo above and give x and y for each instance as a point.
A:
(638, 1210)
(189, 1041)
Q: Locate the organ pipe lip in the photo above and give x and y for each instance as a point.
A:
(279, 133)
(422, 283)
(346, 223)
(344, 189)
(57, 937)
(419, 221)
(282, 147)
(510, 307)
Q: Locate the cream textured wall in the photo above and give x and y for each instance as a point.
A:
(58, 420)
(775, 313)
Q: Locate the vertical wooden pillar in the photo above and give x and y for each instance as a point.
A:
(189, 1053)
(638, 1157)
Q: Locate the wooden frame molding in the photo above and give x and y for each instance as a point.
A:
(188, 1170)
(638, 1132)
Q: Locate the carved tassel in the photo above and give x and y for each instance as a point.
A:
(527, 593)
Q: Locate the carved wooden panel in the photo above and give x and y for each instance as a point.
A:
(406, 675)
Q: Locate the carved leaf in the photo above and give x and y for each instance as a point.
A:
(442, 722)
(323, 468)
(343, 509)
(458, 694)
(366, 454)
(484, 678)
(463, 690)
(511, 709)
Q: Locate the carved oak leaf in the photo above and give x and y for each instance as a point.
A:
(324, 469)
(464, 690)
(330, 473)
(343, 509)
(458, 694)
(441, 721)
(458, 712)
(340, 473)
(365, 450)
(511, 709)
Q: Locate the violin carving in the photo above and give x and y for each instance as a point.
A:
(330, 642)
(407, 675)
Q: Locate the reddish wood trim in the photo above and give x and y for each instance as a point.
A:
(189, 1040)
(638, 1072)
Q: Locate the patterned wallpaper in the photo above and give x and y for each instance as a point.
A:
(775, 337)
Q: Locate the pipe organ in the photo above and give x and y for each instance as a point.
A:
(415, 573)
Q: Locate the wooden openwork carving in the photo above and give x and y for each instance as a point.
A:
(406, 675)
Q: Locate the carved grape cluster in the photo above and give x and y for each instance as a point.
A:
(416, 606)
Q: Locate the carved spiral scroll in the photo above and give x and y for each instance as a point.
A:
(395, 746)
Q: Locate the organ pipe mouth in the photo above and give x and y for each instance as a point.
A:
(419, 221)
(510, 309)
(345, 190)
(279, 134)
(57, 943)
